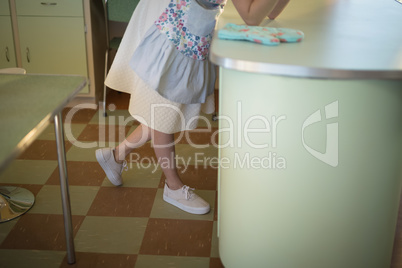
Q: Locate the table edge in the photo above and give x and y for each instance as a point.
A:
(302, 71)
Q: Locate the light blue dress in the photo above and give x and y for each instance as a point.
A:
(146, 105)
(172, 58)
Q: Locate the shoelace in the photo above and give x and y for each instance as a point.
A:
(124, 166)
(188, 191)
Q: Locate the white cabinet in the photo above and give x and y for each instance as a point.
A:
(7, 51)
(60, 37)
(56, 46)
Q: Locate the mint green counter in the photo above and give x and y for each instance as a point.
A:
(311, 139)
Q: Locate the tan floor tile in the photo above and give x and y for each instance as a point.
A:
(174, 237)
(43, 150)
(40, 232)
(48, 200)
(30, 258)
(71, 132)
(100, 260)
(123, 202)
(152, 261)
(215, 241)
(162, 209)
(201, 157)
(80, 153)
(81, 173)
(120, 235)
(28, 171)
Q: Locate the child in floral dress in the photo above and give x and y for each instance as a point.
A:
(163, 63)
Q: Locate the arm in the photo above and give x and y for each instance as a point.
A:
(280, 6)
(254, 11)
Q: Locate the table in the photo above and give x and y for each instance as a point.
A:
(311, 138)
(28, 104)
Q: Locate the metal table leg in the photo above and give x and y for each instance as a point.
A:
(65, 195)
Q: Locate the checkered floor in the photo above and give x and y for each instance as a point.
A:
(128, 226)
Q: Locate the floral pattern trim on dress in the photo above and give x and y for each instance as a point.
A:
(173, 21)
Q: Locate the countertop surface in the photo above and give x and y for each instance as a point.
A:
(344, 39)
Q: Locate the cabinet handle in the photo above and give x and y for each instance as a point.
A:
(28, 55)
(48, 3)
(7, 55)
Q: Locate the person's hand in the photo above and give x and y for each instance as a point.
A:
(280, 6)
(253, 12)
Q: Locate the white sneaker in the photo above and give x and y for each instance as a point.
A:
(112, 169)
(185, 199)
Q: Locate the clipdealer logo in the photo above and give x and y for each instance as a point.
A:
(236, 131)
(330, 156)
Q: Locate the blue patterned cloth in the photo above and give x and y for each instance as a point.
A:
(189, 26)
(262, 35)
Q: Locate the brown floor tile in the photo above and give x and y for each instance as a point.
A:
(108, 133)
(33, 188)
(144, 154)
(198, 177)
(123, 202)
(215, 263)
(100, 260)
(198, 136)
(116, 117)
(80, 173)
(216, 96)
(396, 258)
(39, 232)
(177, 238)
(81, 116)
(119, 99)
(43, 150)
(216, 207)
(397, 251)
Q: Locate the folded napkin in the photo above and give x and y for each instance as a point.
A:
(262, 35)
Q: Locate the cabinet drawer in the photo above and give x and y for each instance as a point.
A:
(62, 8)
(4, 8)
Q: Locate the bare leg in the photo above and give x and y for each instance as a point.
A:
(137, 138)
(165, 152)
